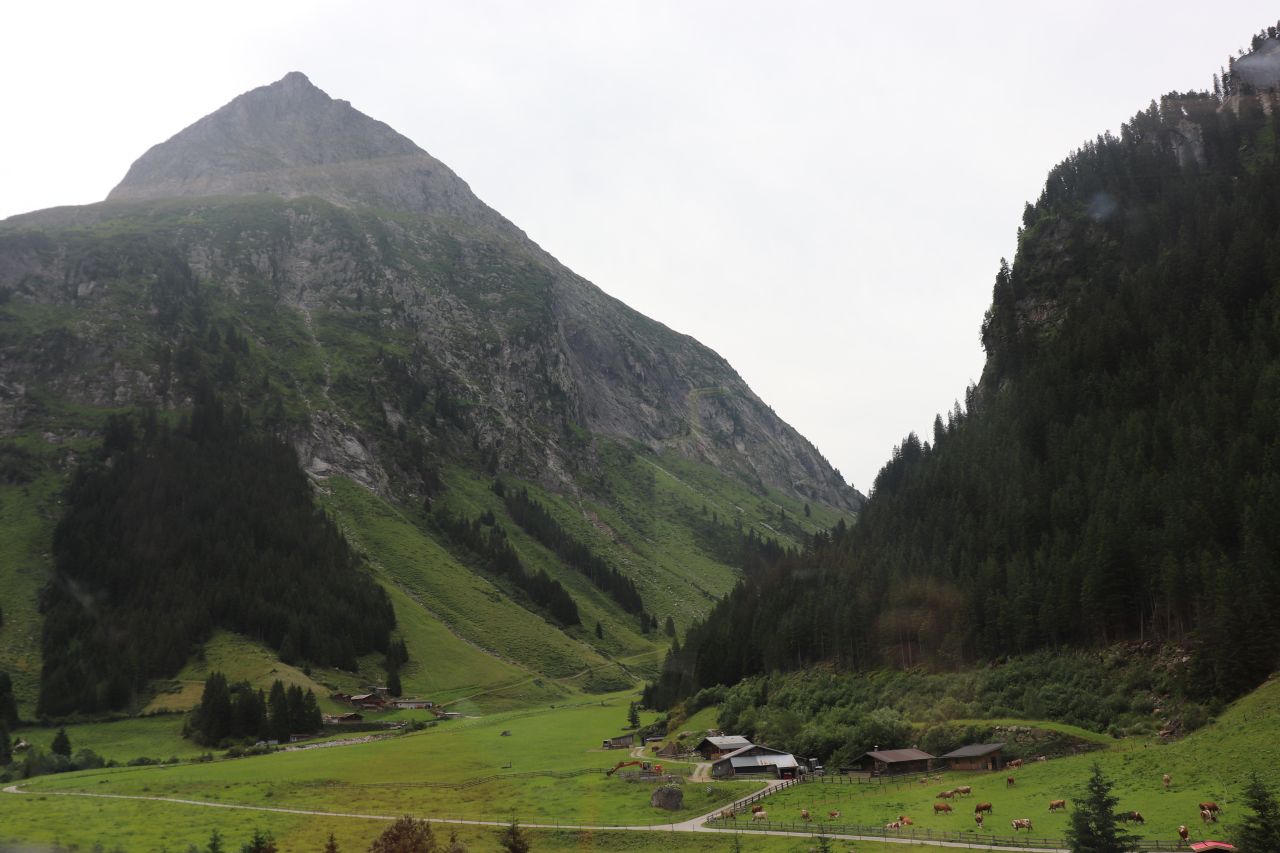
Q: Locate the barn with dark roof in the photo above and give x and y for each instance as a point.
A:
(976, 756)
(890, 762)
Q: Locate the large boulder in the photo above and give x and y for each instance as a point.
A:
(669, 797)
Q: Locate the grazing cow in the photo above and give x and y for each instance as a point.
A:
(945, 795)
(1208, 816)
(1054, 805)
(728, 814)
(904, 820)
(1136, 817)
(923, 780)
(1021, 823)
(1167, 780)
(757, 808)
(1042, 758)
(804, 814)
(1183, 833)
(834, 814)
(964, 790)
(942, 808)
(897, 824)
(984, 807)
(1015, 764)
(1009, 781)
(1210, 806)
(977, 819)
(760, 815)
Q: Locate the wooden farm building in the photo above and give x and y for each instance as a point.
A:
(368, 701)
(620, 742)
(718, 747)
(976, 756)
(753, 760)
(891, 762)
(411, 704)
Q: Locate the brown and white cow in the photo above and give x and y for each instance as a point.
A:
(964, 790)
(1210, 806)
(760, 815)
(945, 795)
(1167, 780)
(1021, 823)
(1136, 817)
(834, 814)
(1183, 833)
(1009, 781)
(942, 808)
(904, 820)
(804, 814)
(757, 808)
(1208, 816)
(728, 814)
(978, 819)
(1015, 764)
(984, 807)
(1054, 805)
(897, 824)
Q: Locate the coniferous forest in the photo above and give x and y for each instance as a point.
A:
(1115, 474)
(172, 532)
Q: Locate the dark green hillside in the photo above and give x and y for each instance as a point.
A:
(177, 532)
(1115, 475)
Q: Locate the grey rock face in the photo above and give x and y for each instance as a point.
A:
(538, 351)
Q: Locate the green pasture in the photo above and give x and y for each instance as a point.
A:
(536, 764)
(1211, 764)
(159, 737)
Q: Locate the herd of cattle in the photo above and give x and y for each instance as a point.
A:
(1208, 810)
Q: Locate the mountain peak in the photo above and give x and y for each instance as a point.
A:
(291, 139)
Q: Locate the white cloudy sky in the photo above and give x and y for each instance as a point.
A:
(821, 191)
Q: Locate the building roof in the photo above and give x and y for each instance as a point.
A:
(974, 750)
(727, 742)
(753, 749)
(786, 759)
(896, 756)
(1211, 845)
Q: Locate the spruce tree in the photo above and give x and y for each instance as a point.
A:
(514, 839)
(8, 707)
(633, 717)
(331, 846)
(61, 744)
(393, 683)
(1094, 827)
(1260, 832)
(6, 748)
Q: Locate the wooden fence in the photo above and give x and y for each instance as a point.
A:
(912, 833)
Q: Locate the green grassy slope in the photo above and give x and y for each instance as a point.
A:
(1211, 764)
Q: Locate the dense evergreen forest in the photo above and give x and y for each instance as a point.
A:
(538, 523)
(172, 532)
(485, 541)
(1115, 474)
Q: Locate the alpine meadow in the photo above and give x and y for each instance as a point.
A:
(337, 514)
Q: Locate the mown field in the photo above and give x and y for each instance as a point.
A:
(1211, 764)
(549, 768)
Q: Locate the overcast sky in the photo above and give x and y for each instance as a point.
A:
(820, 191)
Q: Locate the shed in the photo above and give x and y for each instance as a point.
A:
(975, 756)
(890, 762)
(620, 742)
(718, 747)
(752, 760)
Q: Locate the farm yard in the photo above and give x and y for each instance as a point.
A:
(550, 770)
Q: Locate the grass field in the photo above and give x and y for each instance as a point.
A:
(416, 773)
(1211, 764)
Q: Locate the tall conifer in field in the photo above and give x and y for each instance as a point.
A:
(1260, 832)
(1094, 827)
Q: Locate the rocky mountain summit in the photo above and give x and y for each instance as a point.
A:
(294, 213)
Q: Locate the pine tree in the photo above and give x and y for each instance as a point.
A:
(514, 839)
(599, 630)
(393, 683)
(260, 842)
(331, 846)
(61, 744)
(406, 835)
(8, 707)
(6, 748)
(215, 843)
(1094, 827)
(633, 716)
(1260, 832)
(670, 627)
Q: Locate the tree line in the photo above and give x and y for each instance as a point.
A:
(234, 712)
(534, 519)
(488, 542)
(170, 532)
(1112, 476)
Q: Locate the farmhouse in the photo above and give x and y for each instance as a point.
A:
(975, 756)
(752, 760)
(368, 701)
(410, 704)
(890, 762)
(620, 742)
(718, 747)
